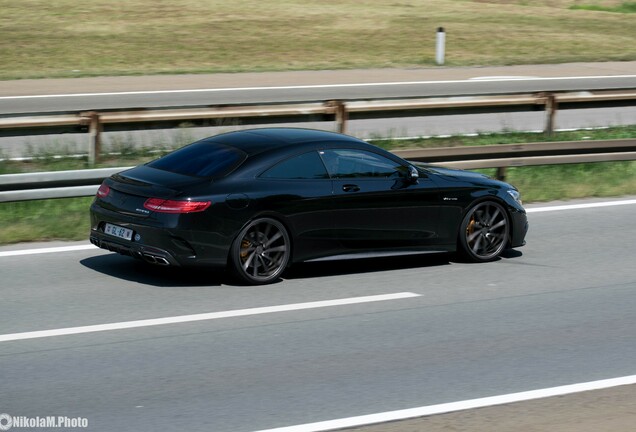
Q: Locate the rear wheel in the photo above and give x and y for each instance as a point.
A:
(261, 251)
(484, 232)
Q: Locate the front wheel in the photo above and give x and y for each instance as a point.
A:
(484, 232)
(261, 251)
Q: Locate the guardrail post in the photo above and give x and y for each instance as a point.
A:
(341, 116)
(94, 137)
(551, 106)
(501, 173)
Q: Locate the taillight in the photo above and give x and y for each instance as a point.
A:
(103, 191)
(173, 206)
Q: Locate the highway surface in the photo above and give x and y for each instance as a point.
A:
(28, 96)
(332, 340)
(353, 91)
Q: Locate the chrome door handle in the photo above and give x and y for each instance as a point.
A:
(350, 188)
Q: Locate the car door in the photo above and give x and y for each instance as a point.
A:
(377, 205)
(300, 189)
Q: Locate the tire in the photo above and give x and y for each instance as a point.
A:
(484, 232)
(261, 251)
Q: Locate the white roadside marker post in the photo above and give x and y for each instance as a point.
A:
(440, 46)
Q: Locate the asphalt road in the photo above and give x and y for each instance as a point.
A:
(258, 95)
(26, 96)
(560, 310)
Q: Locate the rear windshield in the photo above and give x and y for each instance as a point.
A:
(201, 159)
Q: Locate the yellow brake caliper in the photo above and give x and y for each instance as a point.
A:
(471, 226)
(245, 245)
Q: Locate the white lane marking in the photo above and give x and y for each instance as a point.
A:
(503, 77)
(455, 406)
(303, 87)
(579, 206)
(204, 316)
(47, 250)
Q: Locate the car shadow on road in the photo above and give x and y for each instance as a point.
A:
(133, 270)
(366, 265)
(511, 253)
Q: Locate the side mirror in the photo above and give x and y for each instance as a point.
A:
(412, 174)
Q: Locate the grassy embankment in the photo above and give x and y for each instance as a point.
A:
(623, 7)
(68, 218)
(66, 38)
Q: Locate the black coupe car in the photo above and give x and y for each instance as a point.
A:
(258, 200)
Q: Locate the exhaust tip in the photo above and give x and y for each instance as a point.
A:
(153, 259)
(149, 258)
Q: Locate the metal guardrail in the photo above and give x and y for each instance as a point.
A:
(20, 187)
(54, 184)
(79, 183)
(95, 123)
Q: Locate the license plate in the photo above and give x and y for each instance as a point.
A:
(117, 231)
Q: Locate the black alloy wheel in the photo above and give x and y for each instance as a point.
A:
(484, 232)
(261, 251)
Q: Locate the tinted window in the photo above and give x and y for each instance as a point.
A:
(360, 164)
(202, 159)
(305, 166)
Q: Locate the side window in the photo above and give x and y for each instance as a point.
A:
(306, 166)
(360, 164)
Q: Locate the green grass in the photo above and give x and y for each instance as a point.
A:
(625, 7)
(66, 38)
(618, 132)
(67, 219)
(563, 182)
(63, 219)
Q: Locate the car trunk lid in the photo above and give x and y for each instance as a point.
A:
(130, 189)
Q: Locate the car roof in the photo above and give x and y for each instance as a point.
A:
(254, 141)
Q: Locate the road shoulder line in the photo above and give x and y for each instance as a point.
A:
(309, 86)
(445, 408)
(579, 206)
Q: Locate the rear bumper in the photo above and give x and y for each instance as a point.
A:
(161, 242)
(149, 254)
